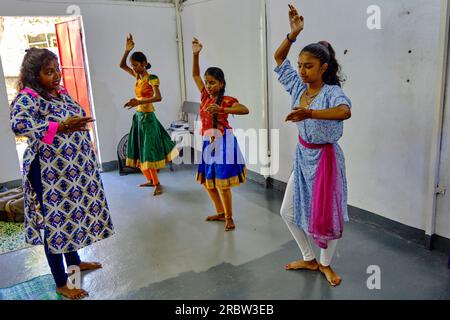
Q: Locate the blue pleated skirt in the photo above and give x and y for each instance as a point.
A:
(223, 165)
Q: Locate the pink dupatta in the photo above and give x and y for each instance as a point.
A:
(326, 197)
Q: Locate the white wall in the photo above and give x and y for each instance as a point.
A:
(106, 25)
(386, 142)
(443, 201)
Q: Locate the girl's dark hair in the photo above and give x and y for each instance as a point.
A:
(34, 60)
(220, 76)
(323, 51)
(140, 57)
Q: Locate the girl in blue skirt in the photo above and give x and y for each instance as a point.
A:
(223, 165)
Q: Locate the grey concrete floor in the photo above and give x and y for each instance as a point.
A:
(163, 249)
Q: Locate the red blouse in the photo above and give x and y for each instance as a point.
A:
(207, 118)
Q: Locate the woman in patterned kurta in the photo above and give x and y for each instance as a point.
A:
(149, 145)
(64, 195)
(315, 202)
(223, 165)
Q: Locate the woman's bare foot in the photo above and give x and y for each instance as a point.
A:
(147, 184)
(158, 190)
(229, 224)
(217, 217)
(303, 265)
(331, 276)
(72, 293)
(89, 265)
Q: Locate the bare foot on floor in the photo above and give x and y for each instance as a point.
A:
(331, 276)
(158, 190)
(89, 265)
(303, 265)
(72, 293)
(229, 225)
(147, 184)
(217, 217)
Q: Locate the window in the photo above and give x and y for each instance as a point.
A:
(42, 40)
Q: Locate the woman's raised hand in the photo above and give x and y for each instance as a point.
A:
(196, 46)
(130, 43)
(296, 21)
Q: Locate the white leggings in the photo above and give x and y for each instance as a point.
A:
(302, 239)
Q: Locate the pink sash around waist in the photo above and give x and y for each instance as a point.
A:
(326, 221)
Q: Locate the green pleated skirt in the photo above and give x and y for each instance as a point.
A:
(149, 144)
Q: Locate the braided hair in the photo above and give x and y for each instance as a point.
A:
(218, 74)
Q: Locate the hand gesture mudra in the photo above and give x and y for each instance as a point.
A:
(196, 46)
(131, 103)
(299, 114)
(130, 43)
(296, 21)
(213, 109)
(75, 123)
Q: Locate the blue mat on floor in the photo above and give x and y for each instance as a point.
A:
(12, 237)
(39, 288)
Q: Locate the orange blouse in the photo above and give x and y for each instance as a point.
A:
(144, 90)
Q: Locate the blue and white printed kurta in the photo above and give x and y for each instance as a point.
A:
(75, 211)
(316, 132)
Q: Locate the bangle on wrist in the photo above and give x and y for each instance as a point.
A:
(288, 39)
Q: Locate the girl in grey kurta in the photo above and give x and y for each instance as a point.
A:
(315, 202)
(64, 195)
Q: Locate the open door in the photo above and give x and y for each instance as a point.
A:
(73, 69)
(71, 54)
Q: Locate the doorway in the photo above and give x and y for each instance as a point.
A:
(64, 37)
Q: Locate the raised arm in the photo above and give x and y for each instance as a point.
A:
(296, 22)
(123, 63)
(196, 48)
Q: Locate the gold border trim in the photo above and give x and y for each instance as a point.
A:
(222, 183)
(152, 165)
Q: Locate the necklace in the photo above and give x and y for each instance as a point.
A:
(309, 99)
